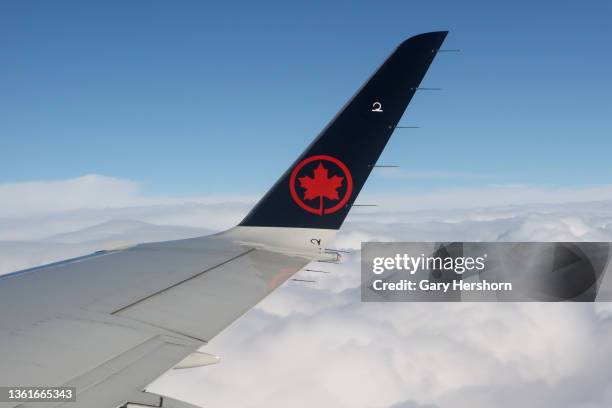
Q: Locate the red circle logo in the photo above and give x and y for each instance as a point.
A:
(321, 184)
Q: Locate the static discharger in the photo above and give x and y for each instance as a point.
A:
(337, 250)
(303, 280)
(446, 50)
(316, 270)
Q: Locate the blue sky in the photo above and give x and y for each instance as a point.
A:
(199, 97)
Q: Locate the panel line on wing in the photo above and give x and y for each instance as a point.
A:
(183, 281)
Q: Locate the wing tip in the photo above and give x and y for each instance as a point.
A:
(432, 36)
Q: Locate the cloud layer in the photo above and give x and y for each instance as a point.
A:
(317, 344)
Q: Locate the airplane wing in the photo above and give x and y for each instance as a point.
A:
(111, 322)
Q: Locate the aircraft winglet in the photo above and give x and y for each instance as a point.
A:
(319, 188)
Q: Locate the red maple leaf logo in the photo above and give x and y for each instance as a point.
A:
(321, 186)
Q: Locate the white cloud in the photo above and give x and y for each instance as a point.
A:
(552, 228)
(86, 193)
(91, 191)
(489, 196)
(35, 210)
(375, 355)
(317, 344)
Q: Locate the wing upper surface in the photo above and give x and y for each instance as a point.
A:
(98, 321)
